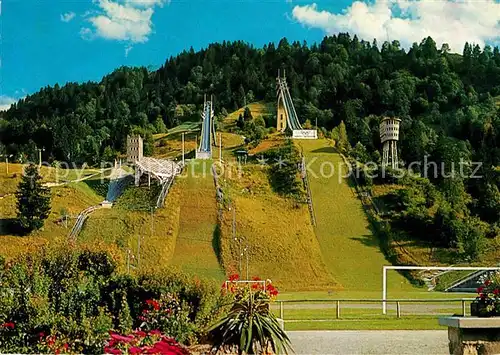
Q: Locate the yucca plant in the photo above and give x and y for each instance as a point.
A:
(250, 327)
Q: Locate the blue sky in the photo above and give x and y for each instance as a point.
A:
(50, 41)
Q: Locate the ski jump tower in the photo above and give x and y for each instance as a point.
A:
(389, 136)
(204, 151)
(286, 115)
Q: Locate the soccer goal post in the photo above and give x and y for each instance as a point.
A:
(444, 268)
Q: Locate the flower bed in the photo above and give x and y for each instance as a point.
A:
(487, 303)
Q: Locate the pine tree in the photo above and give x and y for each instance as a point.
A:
(241, 122)
(33, 200)
(160, 125)
(247, 114)
(343, 141)
(124, 317)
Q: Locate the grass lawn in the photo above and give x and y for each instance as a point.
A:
(71, 199)
(281, 242)
(389, 323)
(196, 246)
(349, 249)
(394, 292)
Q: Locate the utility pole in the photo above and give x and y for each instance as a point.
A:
(220, 148)
(128, 261)
(152, 220)
(138, 250)
(182, 148)
(236, 239)
(40, 156)
(246, 251)
(7, 156)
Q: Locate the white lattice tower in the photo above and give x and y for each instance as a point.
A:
(389, 136)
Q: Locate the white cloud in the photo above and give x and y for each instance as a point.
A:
(67, 17)
(128, 49)
(127, 21)
(5, 102)
(447, 21)
(86, 34)
(146, 3)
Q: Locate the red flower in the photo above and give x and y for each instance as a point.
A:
(121, 338)
(155, 332)
(153, 304)
(140, 333)
(256, 278)
(8, 325)
(487, 282)
(65, 346)
(234, 277)
(273, 291)
(135, 350)
(255, 286)
(162, 347)
(41, 334)
(482, 295)
(109, 350)
(480, 289)
(496, 292)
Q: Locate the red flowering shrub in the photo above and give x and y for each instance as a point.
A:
(259, 287)
(140, 342)
(54, 344)
(170, 316)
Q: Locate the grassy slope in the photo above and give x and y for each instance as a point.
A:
(349, 249)
(73, 198)
(122, 226)
(257, 108)
(281, 241)
(196, 246)
(169, 145)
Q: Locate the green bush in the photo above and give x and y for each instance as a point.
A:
(68, 300)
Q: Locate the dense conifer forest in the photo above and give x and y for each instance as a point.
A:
(448, 103)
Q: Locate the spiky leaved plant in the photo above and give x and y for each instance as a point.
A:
(250, 326)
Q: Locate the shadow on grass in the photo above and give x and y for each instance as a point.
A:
(100, 186)
(368, 240)
(325, 150)
(216, 243)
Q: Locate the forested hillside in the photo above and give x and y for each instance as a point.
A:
(342, 78)
(448, 103)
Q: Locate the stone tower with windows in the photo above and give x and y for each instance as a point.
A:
(134, 149)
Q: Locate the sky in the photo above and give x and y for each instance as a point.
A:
(44, 42)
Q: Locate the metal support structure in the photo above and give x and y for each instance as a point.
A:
(182, 148)
(338, 309)
(139, 250)
(398, 309)
(40, 150)
(220, 147)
